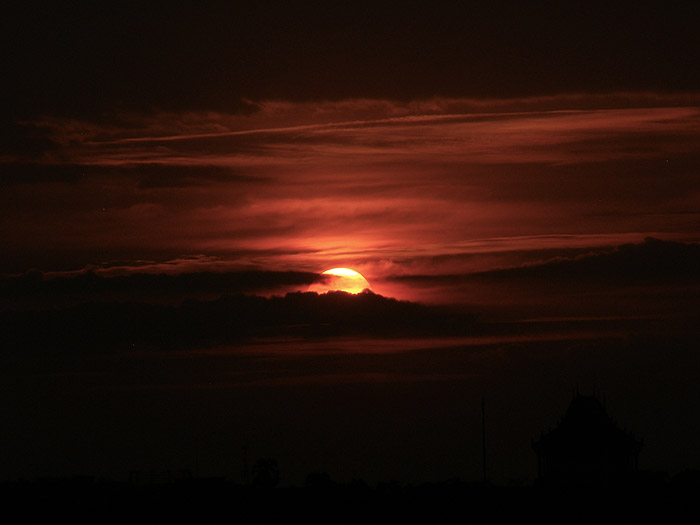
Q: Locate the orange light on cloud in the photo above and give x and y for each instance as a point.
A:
(440, 186)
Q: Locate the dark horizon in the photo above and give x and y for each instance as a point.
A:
(131, 386)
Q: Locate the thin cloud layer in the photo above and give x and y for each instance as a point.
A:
(652, 262)
(650, 279)
(370, 184)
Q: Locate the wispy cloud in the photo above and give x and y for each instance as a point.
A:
(378, 184)
(562, 136)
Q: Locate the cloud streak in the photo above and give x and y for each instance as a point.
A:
(372, 184)
(491, 138)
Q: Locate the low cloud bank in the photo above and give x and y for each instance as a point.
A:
(230, 319)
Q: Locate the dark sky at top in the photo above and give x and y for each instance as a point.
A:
(94, 58)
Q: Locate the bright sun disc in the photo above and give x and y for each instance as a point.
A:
(342, 279)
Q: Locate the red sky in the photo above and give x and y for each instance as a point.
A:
(387, 188)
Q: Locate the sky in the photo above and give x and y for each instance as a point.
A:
(518, 183)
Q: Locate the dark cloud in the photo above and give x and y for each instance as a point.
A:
(652, 280)
(229, 319)
(654, 261)
(36, 290)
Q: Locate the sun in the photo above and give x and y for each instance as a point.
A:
(343, 279)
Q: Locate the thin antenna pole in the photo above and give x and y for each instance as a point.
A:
(246, 471)
(483, 436)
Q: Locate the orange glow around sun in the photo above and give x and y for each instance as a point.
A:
(342, 279)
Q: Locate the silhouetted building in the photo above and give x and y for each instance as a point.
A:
(586, 449)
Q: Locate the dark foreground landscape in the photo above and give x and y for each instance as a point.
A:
(203, 500)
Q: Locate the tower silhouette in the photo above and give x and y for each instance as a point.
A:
(586, 449)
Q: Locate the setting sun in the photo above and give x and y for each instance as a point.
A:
(342, 279)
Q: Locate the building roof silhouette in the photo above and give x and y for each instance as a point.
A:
(587, 448)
